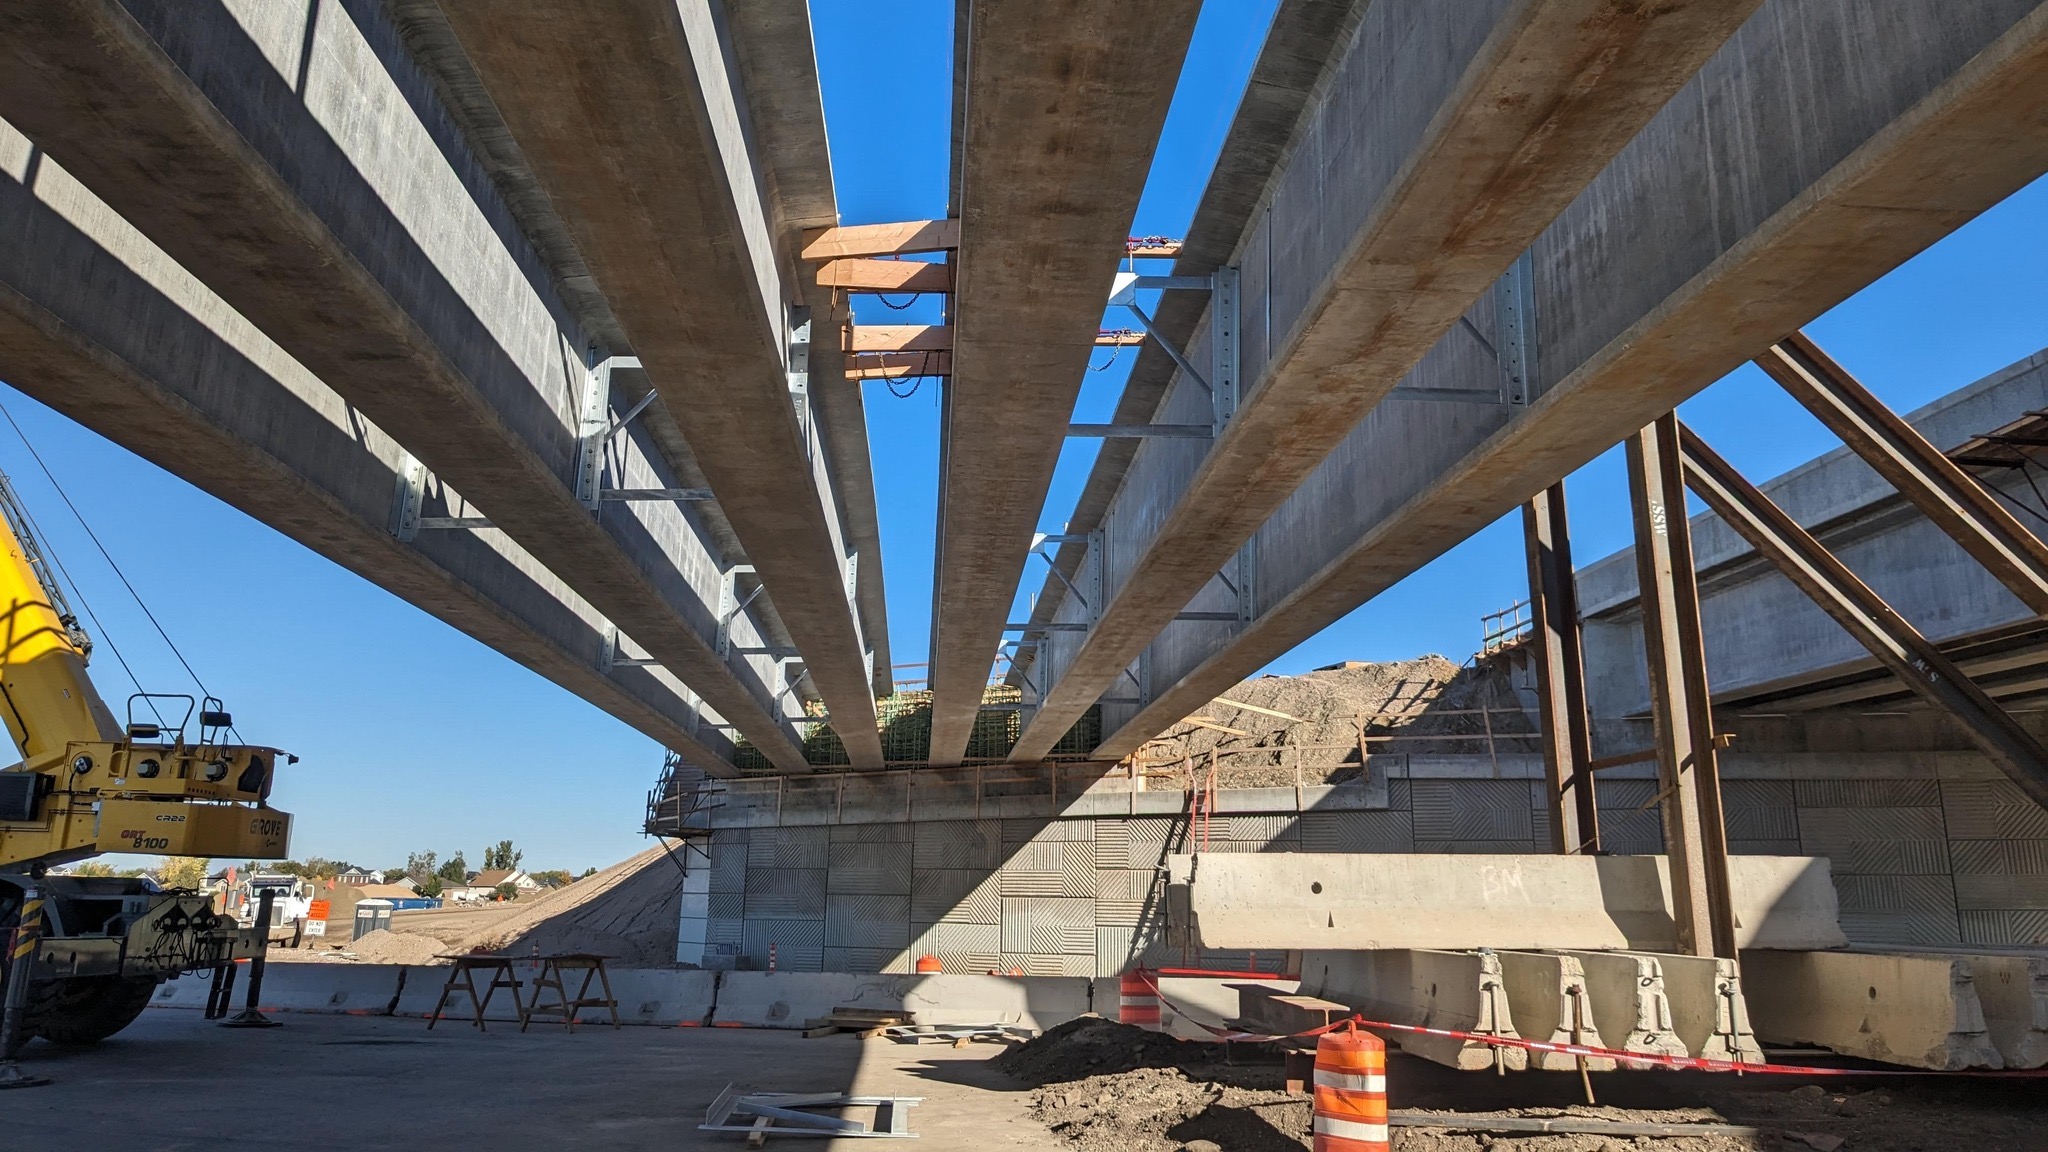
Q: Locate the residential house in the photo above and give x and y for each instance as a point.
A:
(355, 876)
(496, 878)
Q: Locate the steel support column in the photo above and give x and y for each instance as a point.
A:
(1895, 450)
(1560, 674)
(1897, 644)
(1695, 837)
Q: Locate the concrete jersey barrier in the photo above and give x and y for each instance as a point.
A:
(1383, 900)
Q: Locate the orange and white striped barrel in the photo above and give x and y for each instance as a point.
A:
(1137, 1000)
(1351, 1092)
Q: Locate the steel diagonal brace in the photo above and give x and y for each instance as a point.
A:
(1948, 496)
(1814, 570)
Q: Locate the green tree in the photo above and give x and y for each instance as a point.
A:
(456, 869)
(181, 871)
(587, 872)
(507, 891)
(502, 856)
(430, 887)
(93, 868)
(552, 878)
(394, 875)
(421, 866)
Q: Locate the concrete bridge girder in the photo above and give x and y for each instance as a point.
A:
(100, 325)
(304, 172)
(1058, 111)
(658, 182)
(1391, 217)
(1756, 233)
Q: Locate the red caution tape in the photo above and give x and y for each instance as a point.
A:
(1636, 1059)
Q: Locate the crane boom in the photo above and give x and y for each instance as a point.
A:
(87, 784)
(45, 696)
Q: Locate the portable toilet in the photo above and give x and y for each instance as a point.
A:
(372, 915)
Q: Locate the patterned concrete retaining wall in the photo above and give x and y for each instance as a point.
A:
(861, 876)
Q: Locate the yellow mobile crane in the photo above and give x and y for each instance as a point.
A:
(88, 784)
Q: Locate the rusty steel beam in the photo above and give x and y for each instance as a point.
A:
(1560, 674)
(851, 240)
(1933, 483)
(859, 275)
(1917, 662)
(1688, 772)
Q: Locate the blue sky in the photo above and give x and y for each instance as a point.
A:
(414, 736)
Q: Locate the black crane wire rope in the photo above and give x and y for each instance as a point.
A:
(123, 576)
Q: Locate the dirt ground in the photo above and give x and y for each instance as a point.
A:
(627, 911)
(1428, 704)
(1107, 1087)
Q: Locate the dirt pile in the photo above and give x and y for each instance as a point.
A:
(1108, 1087)
(385, 947)
(1092, 1045)
(1314, 721)
(629, 910)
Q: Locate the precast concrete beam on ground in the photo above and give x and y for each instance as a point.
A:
(1459, 991)
(1708, 1012)
(1404, 210)
(101, 326)
(1630, 1004)
(1287, 900)
(297, 163)
(1059, 115)
(648, 158)
(2013, 991)
(1918, 1010)
(1547, 993)
(1703, 242)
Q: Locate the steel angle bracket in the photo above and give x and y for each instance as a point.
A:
(409, 496)
(730, 605)
(595, 428)
(1513, 347)
(609, 658)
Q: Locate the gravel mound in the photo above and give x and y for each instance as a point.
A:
(386, 947)
(1321, 713)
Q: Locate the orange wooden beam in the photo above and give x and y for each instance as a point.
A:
(880, 239)
(1148, 246)
(898, 365)
(1118, 338)
(855, 275)
(899, 338)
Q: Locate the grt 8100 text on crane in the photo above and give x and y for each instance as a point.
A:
(88, 784)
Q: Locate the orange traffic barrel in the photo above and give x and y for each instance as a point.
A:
(1351, 1092)
(928, 963)
(1137, 1000)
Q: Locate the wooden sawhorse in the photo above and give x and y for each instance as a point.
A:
(566, 1006)
(462, 978)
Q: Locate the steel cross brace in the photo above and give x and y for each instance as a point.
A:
(611, 659)
(595, 427)
(730, 605)
(1899, 646)
(409, 496)
(1513, 351)
(1949, 497)
(1221, 380)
